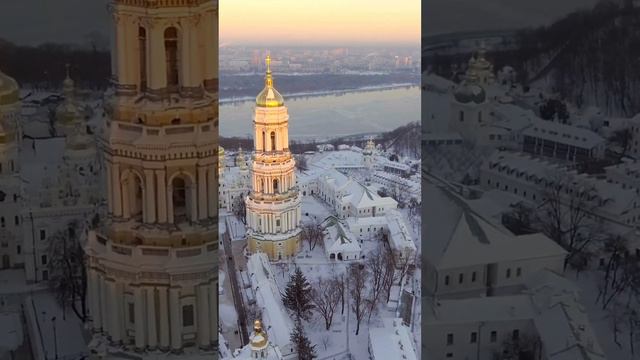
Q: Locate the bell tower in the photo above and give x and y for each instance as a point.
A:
(273, 206)
(152, 263)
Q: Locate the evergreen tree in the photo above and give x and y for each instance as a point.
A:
(303, 346)
(297, 296)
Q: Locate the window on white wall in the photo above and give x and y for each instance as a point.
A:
(187, 316)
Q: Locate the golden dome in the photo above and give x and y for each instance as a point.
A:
(269, 96)
(220, 150)
(68, 111)
(259, 338)
(9, 90)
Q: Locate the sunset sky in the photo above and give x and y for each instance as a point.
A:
(326, 22)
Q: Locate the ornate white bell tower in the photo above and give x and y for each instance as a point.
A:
(273, 206)
(152, 265)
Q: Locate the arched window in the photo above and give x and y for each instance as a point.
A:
(264, 142)
(273, 141)
(142, 44)
(171, 50)
(461, 115)
(479, 116)
(179, 199)
(275, 185)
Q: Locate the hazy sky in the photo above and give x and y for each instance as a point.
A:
(33, 22)
(319, 22)
(299, 21)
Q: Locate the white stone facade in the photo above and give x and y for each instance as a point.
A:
(152, 265)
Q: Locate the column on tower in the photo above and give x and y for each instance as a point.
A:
(114, 319)
(213, 191)
(138, 304)
(170, 218)
(117, 194)
(120, 41)
(209, 28)
(162, 195)
(163, 318)
(203, 316)
(191, 53)
(151, 318)
(150, 196)
(109, 188)
(95, 299)
(213, 311)
(176, 326)
(193, 192)
(131, 41)
(158, 68)
(202, 193)
(127, 191)
(196, 54)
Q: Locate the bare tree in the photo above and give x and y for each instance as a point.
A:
(622, 138)
(312, 233)
(621, 272)
(381, 270)
(358, 278)
(566, 206)
(240, 208)
(68, 276)
(326, 296)
(301, 163)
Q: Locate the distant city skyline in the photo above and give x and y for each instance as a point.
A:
(329, 22)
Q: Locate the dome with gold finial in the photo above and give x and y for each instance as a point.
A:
(241, 162)
(68, 111)
(9, 90)
(269, 96)
(259, 339)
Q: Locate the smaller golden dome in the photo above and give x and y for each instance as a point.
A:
(220, 150)
(259, 338)
(9, 90)
(269, 96)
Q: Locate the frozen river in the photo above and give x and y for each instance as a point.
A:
(332, 115)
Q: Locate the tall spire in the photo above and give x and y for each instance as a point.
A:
(268, 81)
(269, 96)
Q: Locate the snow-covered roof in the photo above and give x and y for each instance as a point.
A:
(399, 235)
(494, 308)
(340, 238)
(519, 165)
(458, 236)
(392, 341)
(566, 134)
(561, 319)
(355, 193)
